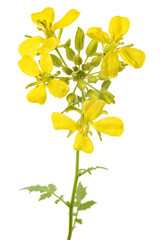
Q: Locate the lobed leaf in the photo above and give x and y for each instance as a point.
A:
(86, 205)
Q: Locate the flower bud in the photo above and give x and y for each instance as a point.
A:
(91, 48)
(79, 39)
(105, 85)
(71, 98)
(107, 97)
(86, 66)
(95, 61)
(75, 68)
(92, 94)
(56, 60)
(78, 60)
(67, 70)
(92, 79)
(70, 54)
(102, 77)
(81, 84)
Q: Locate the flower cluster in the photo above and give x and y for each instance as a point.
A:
(80, 74)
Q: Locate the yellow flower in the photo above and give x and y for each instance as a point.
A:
(38, 94)
(91, 110)
(48, 16)
(118, 27)
(32, 46)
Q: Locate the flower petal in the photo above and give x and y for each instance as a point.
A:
(30, 46)
(83, 143)
(38, 94)
(110, 65)
(46, 63)
(92, 109)
(47, 14)
(132, 56)
(118, 27)
(58, 88)
(60, 121)
(29, 66)
(98, 35)
(68, 19)
(49, 44)
(112, 126)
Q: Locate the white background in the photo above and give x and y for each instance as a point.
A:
(127, 196)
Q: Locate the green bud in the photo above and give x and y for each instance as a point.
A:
(86, 66)
(81, 84)
(95, 61)
(92, 94)
(67, 70)
(68, 43)
(79, 39)
(92, 79)
(56, 60)
(78, 60)
(102, 77)
(64, 79)
(91, 48)
(70, 54)
(107, 97)
(75, 69)
(122, 66)
(105, 85)
(71, 98)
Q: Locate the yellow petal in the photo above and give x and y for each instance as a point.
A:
(47, 14)
(98, 35)
(29, 66)
(118, 27)
(112, 126)
(49, 44)
(46, 63)
(132, 56)
(60, 121)
(68, 19)
(58, 88)
(110, 65)
(92, 109)
(30, 46)
(38, 94)
(83, 143)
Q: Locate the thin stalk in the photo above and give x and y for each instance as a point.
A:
(60, 199)
(61, 57)
(93, 87)
(71, 207)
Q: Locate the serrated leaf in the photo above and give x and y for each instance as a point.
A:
(58, 200)
(80, 192)
(78, 220)
(86, 205)
(36, 188)
(45, 195)
(52, 187)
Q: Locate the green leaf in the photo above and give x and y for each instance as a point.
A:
(80, 192)
(58, 200)
(52, 187)
(78, 220)
(36, 188)
(88, 170)
(86, 205)
(45, 195)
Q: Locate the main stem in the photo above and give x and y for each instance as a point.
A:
(71, 207)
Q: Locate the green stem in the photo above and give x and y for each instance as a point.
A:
(73, 197)
(93, 87)
(61, 57)
(95, 73)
